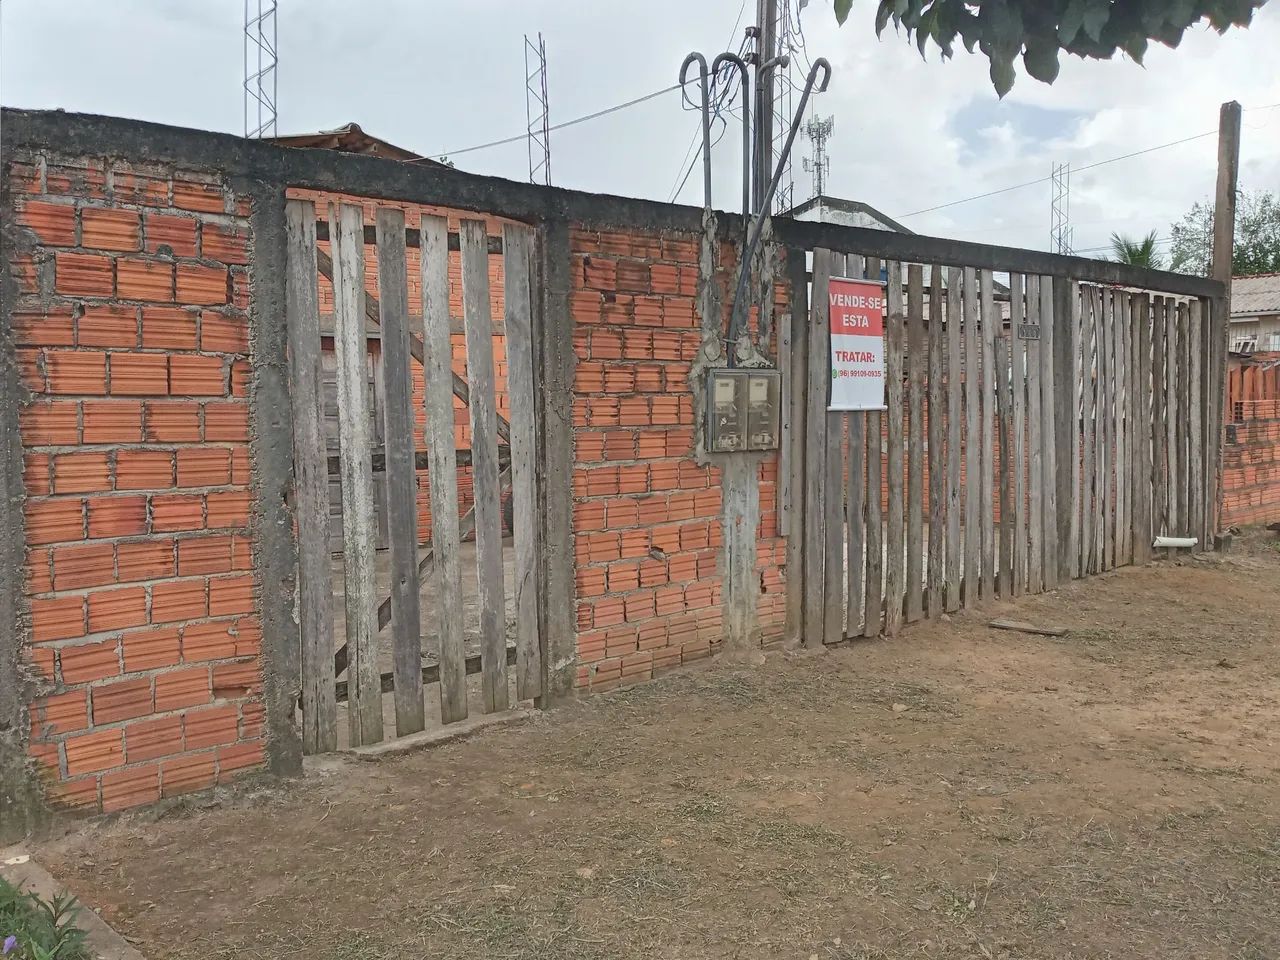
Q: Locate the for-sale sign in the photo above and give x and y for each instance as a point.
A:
(857, 344)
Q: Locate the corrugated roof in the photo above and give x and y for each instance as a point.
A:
(1251, 296)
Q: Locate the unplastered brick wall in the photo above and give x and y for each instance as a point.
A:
(1251, 473)
(132, 336)
(646, 514)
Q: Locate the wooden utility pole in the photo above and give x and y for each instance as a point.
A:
(766, 50)
(1224, 226)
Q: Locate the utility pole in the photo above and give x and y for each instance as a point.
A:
(766, 51)
(1224, 230)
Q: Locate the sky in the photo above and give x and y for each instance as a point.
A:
(910, 134)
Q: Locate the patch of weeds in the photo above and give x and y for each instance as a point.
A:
(958, 906)
(33, 928)
(786, 834)
(1178, 819)
(508, 928)
(647, 875)
(701, 809)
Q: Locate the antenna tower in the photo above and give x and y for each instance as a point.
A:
(260, 68)
(1060, 232)
(537, 110)
(818, 130)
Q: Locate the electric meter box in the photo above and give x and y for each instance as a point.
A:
(742, 410)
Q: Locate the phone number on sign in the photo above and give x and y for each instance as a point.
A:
(842, 374)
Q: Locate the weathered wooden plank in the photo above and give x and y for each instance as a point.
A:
(491, 591)
(972, 365)
(1004, 405)
(836, 497)
(358, 525)
(517, 279)
(989, 329)
(430, 674)
(1123, 546)
(815, 474)
(1185, 414)
(916, 360)
(895, 561)
(443, 471)
(855, 497)
(1066, 346)
(1159, 409)
(1106, 425)
(1017, 314)
(955, 415)
(1196, 422)
(1049, 433)
(1035, 445)
(311, 494)
(1073, 451)
(1143, 431)
(1172, 419)
(1088, 388)
(873, 611)
(795, 346)
(402, 481)
(1133, 433)
(1099, 428)
(937, 452)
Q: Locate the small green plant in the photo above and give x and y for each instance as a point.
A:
(33, 928)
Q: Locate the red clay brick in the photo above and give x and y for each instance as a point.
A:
(139, 374)
(75, 793)
(107, 228)
(220, 333)
(76, 371)
(204, 467)
(178, 600)
(108, 325)
(230, 595)
(138, 278)
(81, 566)
(182, 688)
(144, 560)
(54, 521)
(168, 328)
(197, 376)
(44, 659)
(178, 234)
(122, 700)
(208, 641)
(77, 178)
(81, 472)
(53, 223)
(241, 756)
(93, 752)
(199, 555)
(31, 365)
(60, 713)
(151, 739)
(117, 609)
(144, 469)
(134, 787)
(226, 422)
(112, 421)
(117, 516)
(86, 662)
(83, 275)
(174, 421)
(185, 774)
(53, 422)
(212, 727)
(150, 649)
(198, 284)
(200, 197)
(225, 244)
(237, 679)
(228, 509)
(144, 190)
(171, 512)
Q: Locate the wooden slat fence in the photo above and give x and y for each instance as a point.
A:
(1037, 429)
(394, 592)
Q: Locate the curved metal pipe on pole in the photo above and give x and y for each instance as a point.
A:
(701, 61)
(746, 127)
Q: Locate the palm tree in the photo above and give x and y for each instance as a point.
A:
(1137, 253)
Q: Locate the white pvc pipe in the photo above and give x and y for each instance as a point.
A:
(1176, 541)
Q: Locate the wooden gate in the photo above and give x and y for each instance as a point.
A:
(1036, 429)
(429, 613)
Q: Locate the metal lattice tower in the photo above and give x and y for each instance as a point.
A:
(818, 130)
(1060, 233)
(785, 32)
(260, 75)
(537, 110)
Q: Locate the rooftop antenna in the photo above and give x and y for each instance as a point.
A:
(818, 130)
(1060, 233)
(537, 110)
(260, 68)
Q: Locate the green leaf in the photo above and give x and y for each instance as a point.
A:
(1095, 18)
(1002, 74)
(1070, 22)
(842, 10)
(883, 15)
(1041, 61)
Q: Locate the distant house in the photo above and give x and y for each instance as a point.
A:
(1255, 313)
(349, 138)
(847, 213)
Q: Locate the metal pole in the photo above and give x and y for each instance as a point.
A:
(766, 50)
(1224, 228)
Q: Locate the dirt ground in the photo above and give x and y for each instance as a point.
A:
(955, 792)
